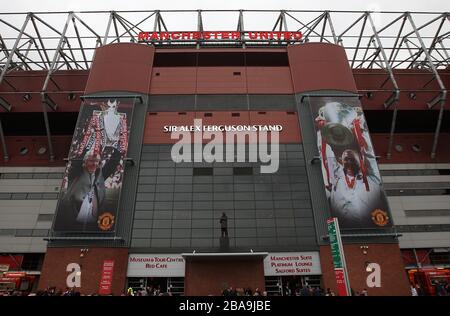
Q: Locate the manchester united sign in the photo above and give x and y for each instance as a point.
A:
(220, 36)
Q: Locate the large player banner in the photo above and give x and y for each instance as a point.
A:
(349, 167)
(90, 192)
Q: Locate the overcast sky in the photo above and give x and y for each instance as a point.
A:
(85, 5)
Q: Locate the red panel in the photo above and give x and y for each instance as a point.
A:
(423, 256)
(14, 262)
(155, 122)
(221, 50)
(320, 66)
(394, 281)
(425, 141)
(32, 82)
(121, 67)
(154, 133)
(268, 80)
(54, 269)
(408, 80)
(220, 80)
(408, 257)
(176, 80)
(14, 144)
(289, 121)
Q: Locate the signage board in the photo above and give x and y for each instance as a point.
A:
(292, 263)
(337, 252)
(107, 277)
(340, 281)
(188, 36)
(4, 267)
(155, 265)
(352, 180)
(92, 183)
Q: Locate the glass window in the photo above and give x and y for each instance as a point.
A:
(142, 233)
(181, 224)
(143, 224)
(45, 217)
(162, 215)
(202, 223)
(204, 171)
(196, 242)
(160, 243)
(181, 242)
(202, 233)
(161, 233)
(242, 171)
(266, 231)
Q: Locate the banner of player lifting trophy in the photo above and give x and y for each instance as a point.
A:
(90, 191)
(349, 167)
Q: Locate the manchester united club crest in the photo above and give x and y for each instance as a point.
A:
(105, 221)
(380, 217)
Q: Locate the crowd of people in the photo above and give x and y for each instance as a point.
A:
(306, 290)
(148, 291)
(50, 291)
(230, 291)
(442, 288)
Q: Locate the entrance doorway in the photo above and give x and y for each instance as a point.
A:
(291, 285)
(153, 286)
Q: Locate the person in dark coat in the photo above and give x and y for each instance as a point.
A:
(83, 202)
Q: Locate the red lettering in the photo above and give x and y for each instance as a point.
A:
(263, 35)
(217, 35)
(143, 36)
(297, 35)
(154, 36)
(164, 35)
(252, 35)
(235, 35)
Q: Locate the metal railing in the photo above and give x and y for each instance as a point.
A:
(387, 40)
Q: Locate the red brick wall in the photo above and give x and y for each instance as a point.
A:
(425, 141)
(14, 144)
(212, 277)
(56, 260)
(393, 276)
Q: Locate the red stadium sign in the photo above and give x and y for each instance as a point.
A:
(219, 36)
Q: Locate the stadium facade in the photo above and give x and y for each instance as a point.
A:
(74, 101)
